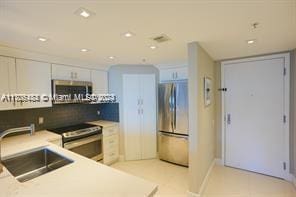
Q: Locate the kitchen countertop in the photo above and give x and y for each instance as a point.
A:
(104, 123)
(83, 177)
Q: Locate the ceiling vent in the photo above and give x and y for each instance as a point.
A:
(161, 38)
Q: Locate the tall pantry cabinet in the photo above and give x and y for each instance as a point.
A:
(139, 116)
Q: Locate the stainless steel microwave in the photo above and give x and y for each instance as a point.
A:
(65, 91)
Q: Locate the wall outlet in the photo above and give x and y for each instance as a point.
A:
(98, 112)
(40, 120)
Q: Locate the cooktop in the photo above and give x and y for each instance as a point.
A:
(66, 129)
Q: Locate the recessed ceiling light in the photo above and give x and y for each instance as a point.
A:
(111, 57)
(84, 50)
(85, 13)
(42, 39)
(128, 34)
(251, 41)
(153, 47)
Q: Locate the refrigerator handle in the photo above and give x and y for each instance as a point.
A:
(174, 106)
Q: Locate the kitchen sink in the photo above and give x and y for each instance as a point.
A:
(27, 166)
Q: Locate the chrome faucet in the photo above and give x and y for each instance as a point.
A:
(30, 128)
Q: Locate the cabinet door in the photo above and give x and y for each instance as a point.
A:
(7, 80)
(100, 81)
(148, 116)
(63, 72)
(81, 74)
(170, 74)
(181, 73)
(33, 78)
(167, 74)
(131, 117)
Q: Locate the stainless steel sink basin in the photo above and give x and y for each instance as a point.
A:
(30, 165)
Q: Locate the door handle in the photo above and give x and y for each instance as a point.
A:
(228, 119)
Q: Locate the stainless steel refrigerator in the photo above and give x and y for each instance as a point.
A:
(173, 122)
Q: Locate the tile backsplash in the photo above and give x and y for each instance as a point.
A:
(59, 115)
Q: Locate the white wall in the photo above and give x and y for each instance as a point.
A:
(115, 86)
(202, 129)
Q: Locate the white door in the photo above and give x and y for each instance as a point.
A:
(131, 117)
(33, 78)
(100, 81)
(148, 116)
(254, 109)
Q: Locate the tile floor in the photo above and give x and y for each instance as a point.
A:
(172, 180)
(230, 182)
(223, 181)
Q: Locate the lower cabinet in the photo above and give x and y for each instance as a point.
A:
(110, 144)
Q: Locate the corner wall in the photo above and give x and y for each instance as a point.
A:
(202, 119)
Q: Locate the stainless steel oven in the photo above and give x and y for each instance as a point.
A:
(84, 139)
(90, 147)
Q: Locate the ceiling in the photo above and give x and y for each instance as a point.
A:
(221, 26)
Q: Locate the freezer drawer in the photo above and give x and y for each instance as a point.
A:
(173, 148)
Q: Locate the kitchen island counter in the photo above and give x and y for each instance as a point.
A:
(83, 177)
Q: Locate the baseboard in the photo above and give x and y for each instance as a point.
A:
(121, 158)
(219, 162)
(204, 183)
(191, 194)
(206, 179)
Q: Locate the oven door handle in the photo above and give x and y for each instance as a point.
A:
(76, 143)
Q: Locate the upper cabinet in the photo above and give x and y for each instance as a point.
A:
(33, 77)
(170, 74)
(20, 76)
(7, 80)
(63, 72)
(100, 81)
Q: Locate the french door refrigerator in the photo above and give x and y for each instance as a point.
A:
(173, 122)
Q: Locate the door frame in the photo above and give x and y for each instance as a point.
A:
(286, 57)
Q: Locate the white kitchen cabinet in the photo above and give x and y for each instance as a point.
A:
(7, 80)
(169, 74)
(33, 77)
(100, 81)
(139, 116)
(20, 76)
(110, 144)
(63, 72)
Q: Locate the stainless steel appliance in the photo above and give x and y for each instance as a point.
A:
(173, 122)
(68, 91)
(84, 139)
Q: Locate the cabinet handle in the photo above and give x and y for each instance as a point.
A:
(142, 111)
(139, 111)
(76, 75)
(71, 75)
(139, 102)
(173, 74)
(176, 75)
